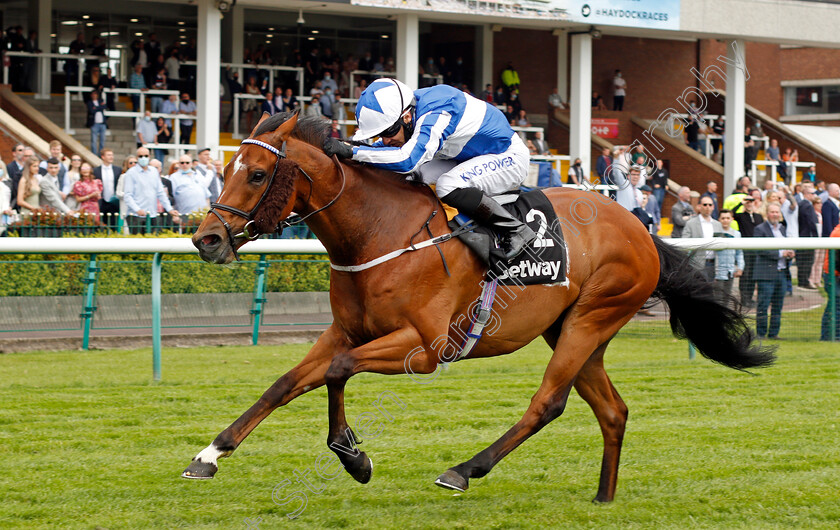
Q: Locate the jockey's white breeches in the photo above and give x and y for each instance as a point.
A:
(492, 174)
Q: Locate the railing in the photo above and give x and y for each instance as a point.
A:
(161, 246)
(47, 56)
(125, 114)
(181, 149)
(241, 67)
(773, 164)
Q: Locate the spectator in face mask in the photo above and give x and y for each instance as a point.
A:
(328, 83)
(327, 103)
(142, 192)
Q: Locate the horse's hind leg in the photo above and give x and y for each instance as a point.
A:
(595, 387)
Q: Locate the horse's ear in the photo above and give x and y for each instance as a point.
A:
(264, 117)
(285, 129)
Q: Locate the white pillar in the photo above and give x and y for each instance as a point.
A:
(408, 50)
(40, 19)
(580, 139)
(237, 35)
(209, 62)
(563, 64)
(733, 149)
(484, 56)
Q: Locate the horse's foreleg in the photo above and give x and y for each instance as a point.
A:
(307, 375)
(385, 355)
(595, 387)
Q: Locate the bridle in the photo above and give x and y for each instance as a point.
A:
(249, 231)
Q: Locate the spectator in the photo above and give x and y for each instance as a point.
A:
(522, 119)
(314, 108)
(15, 170)
(71, 66)
(703, 226)
(719, 128)
(173, 70)
(749, 150)
(312, 67)
(810, 175)
(316, 89)
(357, 92)
(188, 188)
(51, 194)
(747, 219)
(831, 209)
(152, 48)
(819, 254)
(97, 122)
(269, 106)
(290, 102)
(659, 180)
(510, 78)
(219, 166)
(70, 179)
(770, 273)
(604, 161)
(207, 171)
(627, 195)
(513, 101)
(540, 145)
(598, 101)
(186, 107)
(109, 82)
(328, 82)
(87, 191)
(143, 190)
(170, 106)
(145, 130)
(5, 199)
(29, 187)
(327, 103)
(109, 175)
(575, 175)
(619, 91)
(692, 130)
(555, 102)
(56, 151)
(137, 81)
(757, 129)
(158, 83)
(730, 262)
(808, 221)
(772, 154)
(789, 157)
(499, 97)
(487, 95)
(681, 211)
(335, 129)
(651, 206)
(162, 136)
(829, 277)
(711, 192)
(249, 105)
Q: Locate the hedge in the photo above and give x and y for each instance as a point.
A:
(62, 274)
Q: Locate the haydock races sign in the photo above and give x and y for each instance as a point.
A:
(658, 14)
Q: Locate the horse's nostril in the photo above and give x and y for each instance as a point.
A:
(211, 240)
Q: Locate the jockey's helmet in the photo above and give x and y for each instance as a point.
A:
(381, 109)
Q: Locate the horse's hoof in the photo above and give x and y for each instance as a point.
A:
(200, 470)
(363, 473)
(453, 481)
(601, 500)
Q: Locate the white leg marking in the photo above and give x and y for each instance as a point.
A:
(209, 455)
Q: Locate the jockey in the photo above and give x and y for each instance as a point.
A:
(459, 143)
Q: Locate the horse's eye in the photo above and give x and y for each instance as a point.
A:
(257, 177)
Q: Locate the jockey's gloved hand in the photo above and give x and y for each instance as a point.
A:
(334, 146)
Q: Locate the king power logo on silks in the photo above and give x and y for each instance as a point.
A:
(487, 167)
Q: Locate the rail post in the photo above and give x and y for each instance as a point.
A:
(90, 293)
(156, 268)
(259, 298)
(831, 288)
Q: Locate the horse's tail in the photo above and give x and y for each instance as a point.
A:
(721, 333)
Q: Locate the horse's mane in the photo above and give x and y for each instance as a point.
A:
(310, 129)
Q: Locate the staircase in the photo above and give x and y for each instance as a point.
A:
(120, 136)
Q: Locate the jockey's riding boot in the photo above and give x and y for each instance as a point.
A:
(515, 234)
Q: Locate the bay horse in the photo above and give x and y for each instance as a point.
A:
(400, 307)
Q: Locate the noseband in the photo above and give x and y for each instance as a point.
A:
(249, 231)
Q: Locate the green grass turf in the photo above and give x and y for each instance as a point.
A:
(89, 441)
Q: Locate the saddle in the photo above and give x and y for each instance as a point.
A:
(542, 262)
